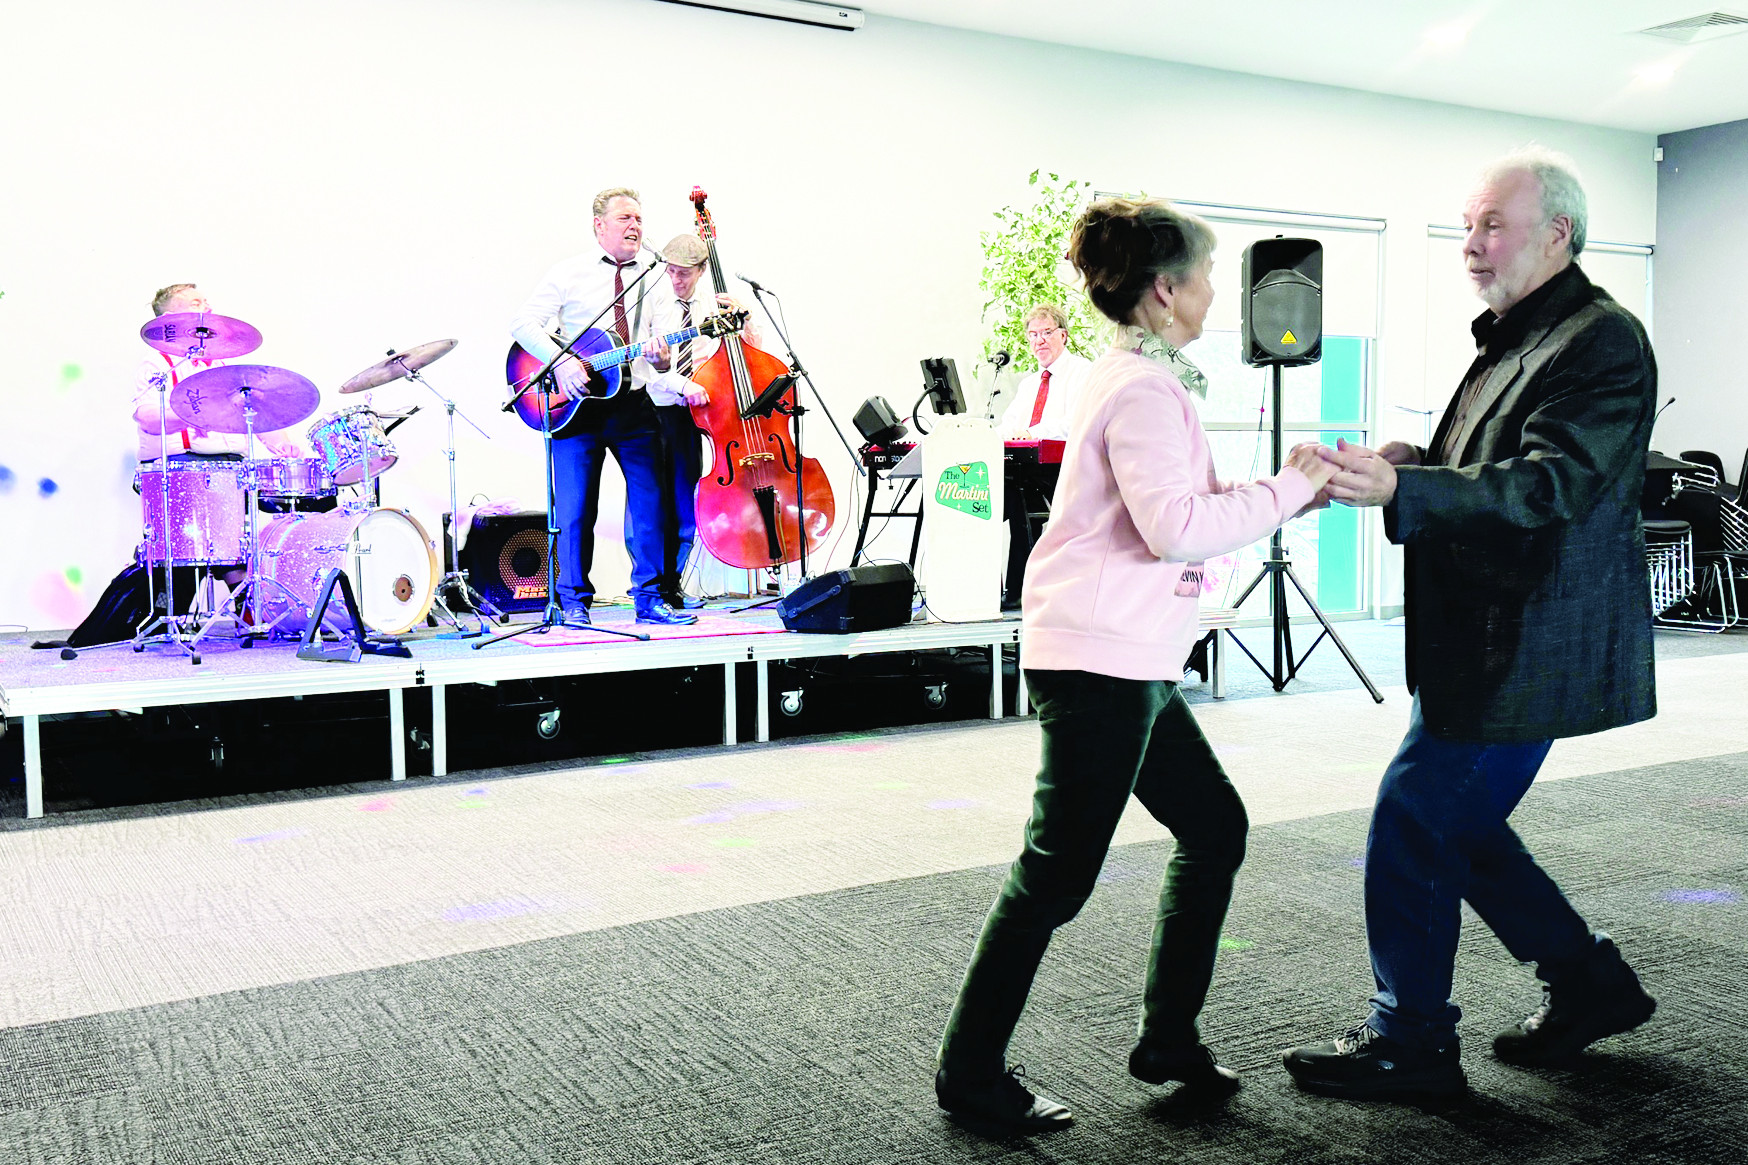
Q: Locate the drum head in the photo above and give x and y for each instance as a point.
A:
(394, 570)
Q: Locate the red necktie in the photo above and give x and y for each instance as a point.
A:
(619, 322)
(1043, 395)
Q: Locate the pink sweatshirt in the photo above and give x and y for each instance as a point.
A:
(1112, 585)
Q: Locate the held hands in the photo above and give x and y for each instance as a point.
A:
(1364, 477)
(1312, 460)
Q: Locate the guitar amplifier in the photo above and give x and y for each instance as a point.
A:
(862, 598)
(505, 559)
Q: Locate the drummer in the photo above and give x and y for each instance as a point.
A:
(187, 442)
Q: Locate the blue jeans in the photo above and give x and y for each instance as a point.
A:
(630, 432)
(1438, 837)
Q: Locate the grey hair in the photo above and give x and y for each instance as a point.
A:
(1562, 192)
(606, 197)
(161, 299)
(1048, 311)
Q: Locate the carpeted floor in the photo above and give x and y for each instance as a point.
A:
(802, 1029)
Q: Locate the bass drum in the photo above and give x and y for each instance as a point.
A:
(388, 556)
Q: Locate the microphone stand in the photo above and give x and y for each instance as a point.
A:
(553, 616)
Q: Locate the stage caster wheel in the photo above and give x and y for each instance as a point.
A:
(547, 725)
(789, 703)
(935, 696)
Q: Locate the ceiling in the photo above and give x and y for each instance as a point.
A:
(1575, 60)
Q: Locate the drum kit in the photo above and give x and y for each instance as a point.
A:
(208, 513)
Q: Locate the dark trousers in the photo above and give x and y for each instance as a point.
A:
(629, 431)
(1438, 837)
(1105, 738)
(1027, 490)
(682, 466)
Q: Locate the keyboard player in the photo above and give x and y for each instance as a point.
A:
(1039, 412)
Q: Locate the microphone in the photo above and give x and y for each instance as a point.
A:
(658, 255)
(1666, 404)
(749, 281)
(1000, 359)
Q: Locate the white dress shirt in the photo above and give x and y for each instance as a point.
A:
(571, 295)
(663, 317)
(1066, 374)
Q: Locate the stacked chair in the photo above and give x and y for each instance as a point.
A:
(1698, 555)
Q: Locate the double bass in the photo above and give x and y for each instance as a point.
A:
(760, 502)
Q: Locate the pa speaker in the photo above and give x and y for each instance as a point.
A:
(863, 598)
(1282, 309)
(505, 560)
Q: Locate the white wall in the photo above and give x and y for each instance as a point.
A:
(356, 176)
(1698, 291)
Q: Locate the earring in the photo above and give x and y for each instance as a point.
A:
(1170, 317)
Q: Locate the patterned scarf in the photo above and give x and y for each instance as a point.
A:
(1144, 343)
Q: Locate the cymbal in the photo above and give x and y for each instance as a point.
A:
(215, 399)
(398, 365)
(219, 337)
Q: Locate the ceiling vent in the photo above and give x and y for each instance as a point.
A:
(1706, 26)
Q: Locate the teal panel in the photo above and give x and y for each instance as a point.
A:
(1344, 378)
(1338, 546)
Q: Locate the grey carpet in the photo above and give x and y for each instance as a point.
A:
(802, 1030)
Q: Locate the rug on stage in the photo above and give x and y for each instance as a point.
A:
(709, 625)
(802, 1030)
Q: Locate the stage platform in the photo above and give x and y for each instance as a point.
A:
(39, 683)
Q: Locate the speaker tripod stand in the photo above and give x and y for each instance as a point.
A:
(1278, 572)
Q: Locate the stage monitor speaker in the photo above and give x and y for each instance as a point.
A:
(505, 559)
(1282, 308)
(862, 598)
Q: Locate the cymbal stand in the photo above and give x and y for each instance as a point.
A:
(170, 620)
(246, 599)
(455, 580)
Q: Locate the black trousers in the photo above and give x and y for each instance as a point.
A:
(1105, 738)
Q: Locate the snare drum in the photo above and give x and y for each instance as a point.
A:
(388, 556)
(293, 477)
(204, 524)
(340, 441)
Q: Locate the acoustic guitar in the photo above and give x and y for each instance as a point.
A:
(595, 351)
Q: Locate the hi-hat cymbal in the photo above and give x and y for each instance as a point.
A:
(217, 337)
(217, 398)
(398, 364)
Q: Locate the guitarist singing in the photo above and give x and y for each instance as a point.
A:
(570, 296)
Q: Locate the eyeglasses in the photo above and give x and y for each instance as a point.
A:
(1044, 335)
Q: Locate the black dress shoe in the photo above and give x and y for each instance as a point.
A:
(1192, 1065)
(680, 601)
(1600, 997)
(656, 611)
(576, 613)
(1363, 1065)
(1000, 1103)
